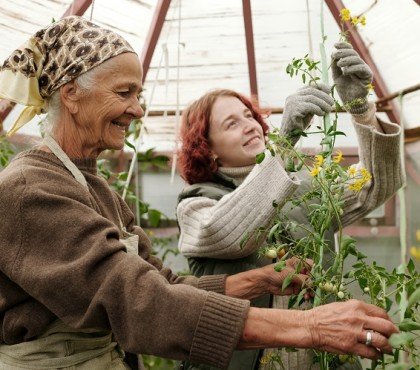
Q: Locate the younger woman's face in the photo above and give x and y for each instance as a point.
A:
(235, 136)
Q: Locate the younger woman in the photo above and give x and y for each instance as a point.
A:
(230, 197)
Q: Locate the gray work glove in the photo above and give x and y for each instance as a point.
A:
(352, 77)
(300, 108)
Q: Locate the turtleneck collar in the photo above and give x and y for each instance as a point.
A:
(237, 174)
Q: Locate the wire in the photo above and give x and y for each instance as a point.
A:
(91, 10)
(177, 115)
(146, 114)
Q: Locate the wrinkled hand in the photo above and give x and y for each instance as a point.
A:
(265, 280)
(342, 327)
(352, 77)
(300, 108)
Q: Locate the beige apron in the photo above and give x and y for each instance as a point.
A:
(62, 347)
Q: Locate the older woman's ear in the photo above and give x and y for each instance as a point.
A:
(70, 96)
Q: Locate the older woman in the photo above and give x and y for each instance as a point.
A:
(77, 280)
(229, 197)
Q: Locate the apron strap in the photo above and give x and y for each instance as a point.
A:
(63, 157)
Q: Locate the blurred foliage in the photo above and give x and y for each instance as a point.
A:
(6, 151)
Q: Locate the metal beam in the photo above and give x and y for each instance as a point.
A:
(153, 35)
(380, 87)
(271, 110)
(78, 7)
(402, 92)
(250, 50)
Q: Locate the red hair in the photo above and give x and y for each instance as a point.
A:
(195, 157)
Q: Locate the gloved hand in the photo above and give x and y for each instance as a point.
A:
(301, 106)
(351, 78)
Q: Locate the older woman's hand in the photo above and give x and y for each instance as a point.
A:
(343, 327)
(266, 280)
(340, 327)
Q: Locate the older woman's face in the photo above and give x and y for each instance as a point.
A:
(105, 113)
(235, 136)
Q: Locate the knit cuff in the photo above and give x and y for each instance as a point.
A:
(213, 283)
(359, 109)
(357, 106)
(218, 331)
(367, 117)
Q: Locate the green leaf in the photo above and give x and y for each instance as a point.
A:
(129, 144)
(397, 367)
(303, 77)
(279, 266)
(337, 133)
(401, 339)
(244, 240)
(290, 165)
(287, 281)
(259, 157)
(154, 217)
(410, 266)
(292, 301)
(414, 299)
(272, 231)
(408, 325)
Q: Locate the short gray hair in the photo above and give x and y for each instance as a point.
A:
(85, 82)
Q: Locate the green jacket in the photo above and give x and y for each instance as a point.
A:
(222, 185)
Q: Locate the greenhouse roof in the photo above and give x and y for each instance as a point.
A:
(203, 45)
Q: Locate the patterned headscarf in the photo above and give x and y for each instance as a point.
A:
(52, 57)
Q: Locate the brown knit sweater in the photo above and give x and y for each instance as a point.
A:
(60, 256)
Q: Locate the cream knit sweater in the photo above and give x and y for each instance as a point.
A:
(211, 228)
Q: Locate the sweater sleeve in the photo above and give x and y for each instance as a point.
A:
(214, 229)
(379, 153)
(213, 283)
(69, 258)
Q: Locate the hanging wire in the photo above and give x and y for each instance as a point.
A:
(177, 115)
(401, 196)
(308, 22)
(91, 9)
(166, 56)
(139, 140)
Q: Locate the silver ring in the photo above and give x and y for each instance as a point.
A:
(369, 338)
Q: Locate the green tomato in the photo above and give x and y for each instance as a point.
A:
(271, 253)
(340, 294)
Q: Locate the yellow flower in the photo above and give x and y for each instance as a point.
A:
(415, 252)
(366, 176)
(319, 160)
(266, 359)
(370, 87)
(345, 14)
(356, 186)
(315, 171)
(351, 171)
(354, 20)
(338, 157)
(362, 20)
